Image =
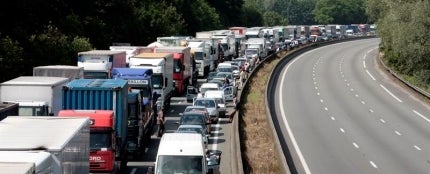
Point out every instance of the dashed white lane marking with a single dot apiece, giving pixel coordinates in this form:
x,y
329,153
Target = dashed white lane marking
x,y
398,133
352,89
364,64
355,145
389,92
368,73
322,101
382,120
318,93
422,116
332,118
326,108
315,83
316,88
370,110
373,164
362,102
356,95
347,84
416,147
342,130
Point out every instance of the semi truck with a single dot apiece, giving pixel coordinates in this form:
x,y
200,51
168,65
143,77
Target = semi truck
x,y
31,162
162,77
258,43
36,96
141,120
228,42
184,153
184,72
71,72
200,55
67,140
98,64
103,94
212,47
8,108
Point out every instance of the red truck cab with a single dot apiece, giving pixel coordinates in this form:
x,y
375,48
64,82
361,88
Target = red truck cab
x,y
102,155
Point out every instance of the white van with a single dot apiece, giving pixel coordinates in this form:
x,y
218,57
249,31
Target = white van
x,y
220,100
184,153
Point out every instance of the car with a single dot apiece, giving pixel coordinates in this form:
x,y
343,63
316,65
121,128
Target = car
x,y
223,75
211,106
192,92
194,129
211,75
240,61
199,109
195,118
236,71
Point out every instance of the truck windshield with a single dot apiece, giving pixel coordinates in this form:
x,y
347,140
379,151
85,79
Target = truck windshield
x,y
198,55
177,66
224,46
99,140
157,81
180,164
95,75
33,111
251,51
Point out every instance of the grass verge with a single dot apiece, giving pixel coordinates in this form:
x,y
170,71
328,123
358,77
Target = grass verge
x,y
258,148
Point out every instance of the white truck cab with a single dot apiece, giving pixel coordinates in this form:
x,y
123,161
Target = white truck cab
x,y
184,153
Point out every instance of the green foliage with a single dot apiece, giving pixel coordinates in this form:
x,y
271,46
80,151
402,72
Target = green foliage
x,y
11,62
340,12
272,18
403,28
252,17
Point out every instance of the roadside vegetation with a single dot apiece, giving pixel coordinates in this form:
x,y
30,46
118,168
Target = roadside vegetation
x,y
258,148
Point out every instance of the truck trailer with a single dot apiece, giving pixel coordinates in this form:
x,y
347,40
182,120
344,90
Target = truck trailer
x,y
31,162
67,140
103,94
36,96
99,63
70,72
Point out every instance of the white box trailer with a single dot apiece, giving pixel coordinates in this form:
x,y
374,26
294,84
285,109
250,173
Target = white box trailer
x,y
32,162
66,139
36,95
71,72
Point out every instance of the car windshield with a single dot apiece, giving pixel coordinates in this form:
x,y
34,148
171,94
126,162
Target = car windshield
x,y
192,120
205,103
188,109
180,164
190,129
224,69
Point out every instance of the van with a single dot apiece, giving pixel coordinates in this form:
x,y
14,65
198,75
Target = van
x,y
184,153
220,100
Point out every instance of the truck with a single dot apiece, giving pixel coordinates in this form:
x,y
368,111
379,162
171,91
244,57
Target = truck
x,y
34,162
8,108
228,42
174,41
103,94
162,77
36,96
212,47
129,50
185,153
330,31
68,71
67,140
98,64
184,71
141,120
258,43
254,32
200,55
238,30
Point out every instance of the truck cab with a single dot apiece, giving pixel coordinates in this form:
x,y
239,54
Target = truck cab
x,y
102,157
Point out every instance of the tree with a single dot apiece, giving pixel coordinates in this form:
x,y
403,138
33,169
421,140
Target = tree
x,y
340,12
272,18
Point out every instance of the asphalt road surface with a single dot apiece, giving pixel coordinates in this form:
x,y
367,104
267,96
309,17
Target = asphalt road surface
x,y
220,138
343,114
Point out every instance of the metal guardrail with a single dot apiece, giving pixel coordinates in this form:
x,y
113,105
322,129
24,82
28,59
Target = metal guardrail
x,y
417,89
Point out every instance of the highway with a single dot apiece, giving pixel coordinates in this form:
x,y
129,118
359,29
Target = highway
x,y
340,113
220,138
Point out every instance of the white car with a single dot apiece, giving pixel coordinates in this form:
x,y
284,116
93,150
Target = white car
x,y
194,129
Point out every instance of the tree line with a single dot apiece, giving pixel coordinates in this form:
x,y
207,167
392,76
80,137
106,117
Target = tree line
x,y
405,43
46,32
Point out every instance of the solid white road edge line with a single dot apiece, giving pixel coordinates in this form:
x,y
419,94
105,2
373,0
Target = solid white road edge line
x,y
368,73
290,132
422,116
389,92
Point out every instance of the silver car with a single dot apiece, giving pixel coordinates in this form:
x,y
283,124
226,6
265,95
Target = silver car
x,y
211,106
